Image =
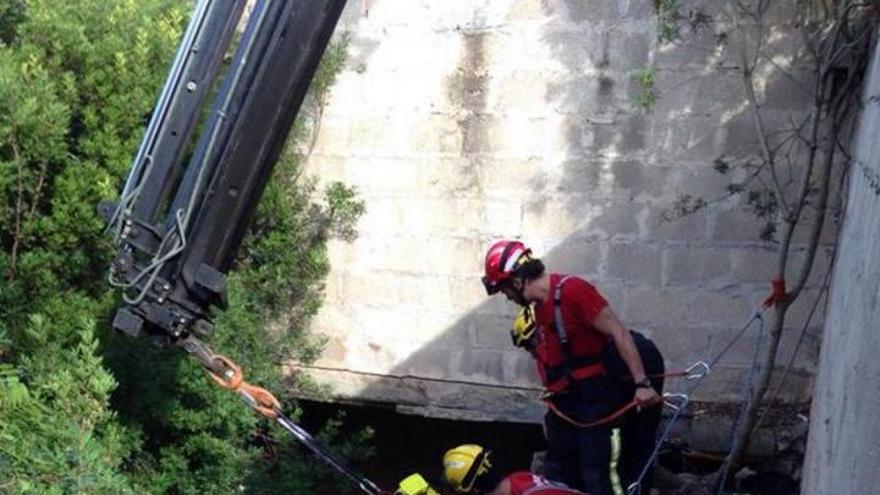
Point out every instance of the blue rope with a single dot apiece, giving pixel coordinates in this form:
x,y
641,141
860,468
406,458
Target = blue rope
x,y
635,488
748,390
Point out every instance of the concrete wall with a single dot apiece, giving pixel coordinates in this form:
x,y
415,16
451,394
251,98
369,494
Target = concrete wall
x,y
843,455
461,122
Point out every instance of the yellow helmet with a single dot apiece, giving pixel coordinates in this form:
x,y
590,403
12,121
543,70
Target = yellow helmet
x,y
523,330
464,464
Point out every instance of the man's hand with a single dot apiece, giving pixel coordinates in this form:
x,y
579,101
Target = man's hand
x,y
646,397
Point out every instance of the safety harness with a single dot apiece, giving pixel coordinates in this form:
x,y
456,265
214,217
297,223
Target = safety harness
x,y
579,367
573,367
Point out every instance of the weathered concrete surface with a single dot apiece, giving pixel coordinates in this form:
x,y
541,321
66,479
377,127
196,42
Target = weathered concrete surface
x,y
843,452
464,121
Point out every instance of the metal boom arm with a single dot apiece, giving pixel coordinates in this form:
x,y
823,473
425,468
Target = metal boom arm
x,y
178,226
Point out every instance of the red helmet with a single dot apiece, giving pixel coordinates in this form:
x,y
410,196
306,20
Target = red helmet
x,y
503,260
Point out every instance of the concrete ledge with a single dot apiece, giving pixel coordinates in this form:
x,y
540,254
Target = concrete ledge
x,y
434,398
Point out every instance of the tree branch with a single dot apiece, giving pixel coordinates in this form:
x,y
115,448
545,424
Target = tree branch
x,y
817,225
840,107
19,204
749,84
822,72
787,74
41,179
826,46
769,158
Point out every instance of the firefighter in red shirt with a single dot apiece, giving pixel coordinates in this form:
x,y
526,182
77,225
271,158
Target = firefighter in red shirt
x,y
469,469
636,430
575,329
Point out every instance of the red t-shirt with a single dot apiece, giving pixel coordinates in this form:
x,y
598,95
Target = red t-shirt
x,y
526,483
581,304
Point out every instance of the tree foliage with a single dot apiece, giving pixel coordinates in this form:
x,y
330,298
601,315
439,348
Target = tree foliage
x,y
57,434
83,410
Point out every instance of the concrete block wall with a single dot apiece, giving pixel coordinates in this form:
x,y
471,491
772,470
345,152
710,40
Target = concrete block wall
x,y
462,122
842,452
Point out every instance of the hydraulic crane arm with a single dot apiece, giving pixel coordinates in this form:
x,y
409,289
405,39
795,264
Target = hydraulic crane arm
x,y
179,222
185,206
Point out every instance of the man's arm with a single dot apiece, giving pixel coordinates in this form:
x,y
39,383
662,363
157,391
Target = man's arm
x,y
608,324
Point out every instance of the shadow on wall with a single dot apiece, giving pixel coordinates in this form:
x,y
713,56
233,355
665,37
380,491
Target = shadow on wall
x,y
687,284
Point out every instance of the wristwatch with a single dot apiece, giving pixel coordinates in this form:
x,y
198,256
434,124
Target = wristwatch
x,y
645,383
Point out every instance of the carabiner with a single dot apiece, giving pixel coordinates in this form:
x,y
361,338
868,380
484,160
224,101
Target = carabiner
x,y
697,370
676,402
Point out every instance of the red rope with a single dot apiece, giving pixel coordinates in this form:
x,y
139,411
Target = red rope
x,y
777,295
601,421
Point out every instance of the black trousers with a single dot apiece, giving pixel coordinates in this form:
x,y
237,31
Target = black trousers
x,y
581,457
605,459
639,429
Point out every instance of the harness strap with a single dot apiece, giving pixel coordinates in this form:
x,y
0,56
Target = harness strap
x,y
572,367
558,321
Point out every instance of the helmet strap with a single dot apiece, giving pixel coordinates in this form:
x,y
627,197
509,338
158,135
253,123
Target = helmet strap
x,y
478,467
519,296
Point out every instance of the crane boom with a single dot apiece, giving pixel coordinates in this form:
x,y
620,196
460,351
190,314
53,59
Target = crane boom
x,y
186,204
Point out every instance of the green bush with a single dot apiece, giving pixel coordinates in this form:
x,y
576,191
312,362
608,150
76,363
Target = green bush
x,y
57,434
83,410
